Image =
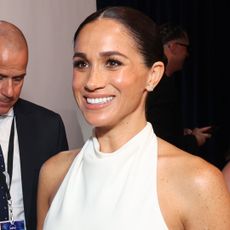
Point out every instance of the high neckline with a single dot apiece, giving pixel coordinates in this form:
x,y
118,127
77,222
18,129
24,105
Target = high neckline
x,y
132,142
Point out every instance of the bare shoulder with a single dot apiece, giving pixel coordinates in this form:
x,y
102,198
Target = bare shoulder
x,y
226,173
51,176
195,190
60,160
188,167
226,169
54,170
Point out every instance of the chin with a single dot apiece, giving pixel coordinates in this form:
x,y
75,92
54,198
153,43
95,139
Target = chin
x,y
96,121
98,118
4,110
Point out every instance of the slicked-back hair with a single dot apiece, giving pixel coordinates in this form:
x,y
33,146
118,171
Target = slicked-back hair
x,y
142,29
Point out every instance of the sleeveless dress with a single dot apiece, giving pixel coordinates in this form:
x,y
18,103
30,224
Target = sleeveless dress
x,y
110,191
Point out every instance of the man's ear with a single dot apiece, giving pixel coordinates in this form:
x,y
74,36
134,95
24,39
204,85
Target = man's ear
x,y
155,74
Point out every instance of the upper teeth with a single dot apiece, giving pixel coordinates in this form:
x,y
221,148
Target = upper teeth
x,y
99,100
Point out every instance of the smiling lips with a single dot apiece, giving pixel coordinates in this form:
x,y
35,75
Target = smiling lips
x,y
100,100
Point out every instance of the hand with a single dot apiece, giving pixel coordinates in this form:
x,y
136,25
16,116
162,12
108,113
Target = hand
x,y
201,134
187,131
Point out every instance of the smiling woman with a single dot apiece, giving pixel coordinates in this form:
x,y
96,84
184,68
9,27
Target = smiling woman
x,y
125,177
104,72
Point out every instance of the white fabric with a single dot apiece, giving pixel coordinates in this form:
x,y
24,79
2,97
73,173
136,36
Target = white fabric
x,y
16,184
110,191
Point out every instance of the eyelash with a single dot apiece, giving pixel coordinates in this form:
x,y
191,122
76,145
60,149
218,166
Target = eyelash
x,y
109,63
79,64
112,62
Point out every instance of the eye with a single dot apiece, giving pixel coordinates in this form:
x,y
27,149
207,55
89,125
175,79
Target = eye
x,y
113,63
2,77
80,64
18,79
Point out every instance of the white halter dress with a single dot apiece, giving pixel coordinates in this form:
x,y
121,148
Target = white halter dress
x,y
110,191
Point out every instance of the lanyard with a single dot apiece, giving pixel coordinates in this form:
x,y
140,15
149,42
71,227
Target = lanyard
x,y
7,178
8,175
10,170
11,153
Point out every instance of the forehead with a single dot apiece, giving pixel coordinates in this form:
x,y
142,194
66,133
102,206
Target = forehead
x,y
105,33
12,63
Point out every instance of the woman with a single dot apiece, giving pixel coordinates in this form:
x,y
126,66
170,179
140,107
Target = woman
x,y
226,173
125,177
226,168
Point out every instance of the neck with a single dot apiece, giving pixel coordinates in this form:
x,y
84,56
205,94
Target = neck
x,y
170,69
112,138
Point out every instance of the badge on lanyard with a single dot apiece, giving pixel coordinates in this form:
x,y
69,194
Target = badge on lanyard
x,y
15,225
12,224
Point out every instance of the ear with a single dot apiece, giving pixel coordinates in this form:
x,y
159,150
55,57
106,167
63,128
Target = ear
x,y
155,74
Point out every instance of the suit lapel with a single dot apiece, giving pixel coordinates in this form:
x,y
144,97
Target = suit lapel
x,y
23,125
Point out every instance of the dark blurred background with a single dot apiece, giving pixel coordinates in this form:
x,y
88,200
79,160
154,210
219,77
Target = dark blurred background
x,y
204,80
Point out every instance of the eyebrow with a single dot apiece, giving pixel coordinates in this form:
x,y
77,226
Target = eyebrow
x,y
18,76
103,54
79,54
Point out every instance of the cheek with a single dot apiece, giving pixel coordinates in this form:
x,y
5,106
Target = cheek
x,y
130,82
77,88
74,83
123,79
77,82
17,90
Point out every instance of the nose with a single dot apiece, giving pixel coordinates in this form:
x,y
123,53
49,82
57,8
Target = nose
x,y
7,87
95,80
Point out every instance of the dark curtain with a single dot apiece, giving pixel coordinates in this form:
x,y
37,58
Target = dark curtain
x,y
204,79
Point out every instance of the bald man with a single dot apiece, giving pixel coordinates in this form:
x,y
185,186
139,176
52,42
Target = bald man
x,y
29,133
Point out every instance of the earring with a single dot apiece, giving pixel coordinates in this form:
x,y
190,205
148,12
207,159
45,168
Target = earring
x,y
149,88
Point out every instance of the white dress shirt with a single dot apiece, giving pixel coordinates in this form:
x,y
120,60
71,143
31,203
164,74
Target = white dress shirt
x,y
16,184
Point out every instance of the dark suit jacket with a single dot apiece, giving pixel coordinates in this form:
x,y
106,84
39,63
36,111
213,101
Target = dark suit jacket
x,y
41,134
164,112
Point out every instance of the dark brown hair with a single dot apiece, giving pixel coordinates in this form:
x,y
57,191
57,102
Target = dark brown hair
x,y
141,28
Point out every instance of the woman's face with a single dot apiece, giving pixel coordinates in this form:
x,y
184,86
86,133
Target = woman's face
x,y
109,74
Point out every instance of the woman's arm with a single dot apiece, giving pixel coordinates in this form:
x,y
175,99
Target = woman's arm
x,y
51,176
209,201
226,173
